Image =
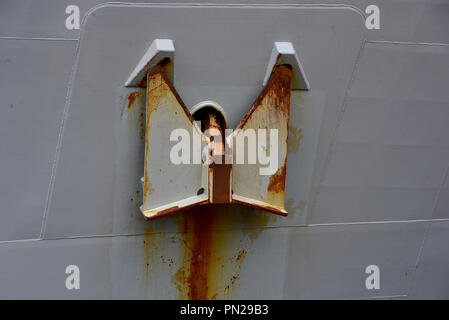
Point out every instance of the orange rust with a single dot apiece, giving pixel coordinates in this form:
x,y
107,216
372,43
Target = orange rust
x,y
270,110
147,131
159,77
199,272
165,64
204,249
220,173
277,181
180,281
158,87
221,183
232,281
142,126
174,209
277,91
214,297
167,261
275,99
240,256
132,98
203,269
203,265
210,231
154,86
150,189
142,82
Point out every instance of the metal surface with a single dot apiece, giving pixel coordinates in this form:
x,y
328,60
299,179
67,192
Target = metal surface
x,y
168,187
285,53
213,180
271,110
159,50
29,124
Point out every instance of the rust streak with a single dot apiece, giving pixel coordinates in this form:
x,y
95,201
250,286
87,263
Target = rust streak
x,y
276,93
277,181
132,98
203,269
200,263
240,256
142,126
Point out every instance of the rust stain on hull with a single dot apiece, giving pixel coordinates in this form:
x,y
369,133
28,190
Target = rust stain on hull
x,y
142,126
201,256
135,112
213,243
132,98
194,278
215,239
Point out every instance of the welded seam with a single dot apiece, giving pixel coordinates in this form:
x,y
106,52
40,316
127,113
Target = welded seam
x,y
38,38
391,144
339,120
53,170
373,222
19,241
59,141
230,5
445,175
340,116
429,226
408,43
336,224
381,297
347,187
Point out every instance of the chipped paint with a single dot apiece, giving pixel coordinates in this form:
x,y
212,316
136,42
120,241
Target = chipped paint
x,y
213,243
